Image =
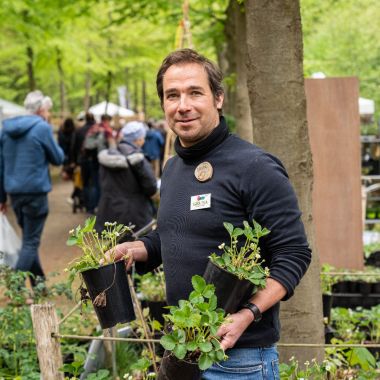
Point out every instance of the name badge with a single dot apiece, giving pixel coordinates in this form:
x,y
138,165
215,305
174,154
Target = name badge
x,y
200,201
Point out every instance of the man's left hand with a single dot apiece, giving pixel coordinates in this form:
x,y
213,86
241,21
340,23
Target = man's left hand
x,y
234,326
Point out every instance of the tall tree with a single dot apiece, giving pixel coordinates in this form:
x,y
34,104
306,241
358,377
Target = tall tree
x,y
278,105
236,54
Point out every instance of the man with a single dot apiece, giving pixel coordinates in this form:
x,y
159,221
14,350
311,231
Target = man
x,y
27,146
241,182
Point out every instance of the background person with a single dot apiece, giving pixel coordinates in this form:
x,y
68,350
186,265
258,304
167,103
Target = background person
x,y
127,181
27,147
245,183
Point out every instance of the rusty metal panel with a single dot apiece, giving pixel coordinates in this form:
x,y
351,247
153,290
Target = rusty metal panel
x,y
334,130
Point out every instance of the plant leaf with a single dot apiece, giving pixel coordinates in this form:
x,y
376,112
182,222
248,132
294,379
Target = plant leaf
x,y
198,283
204,361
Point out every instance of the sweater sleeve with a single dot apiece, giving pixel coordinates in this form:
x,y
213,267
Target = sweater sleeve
x,y
152,244
271,201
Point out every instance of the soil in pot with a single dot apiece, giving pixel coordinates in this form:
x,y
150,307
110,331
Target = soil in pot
x,y
230,291
173,368
109,292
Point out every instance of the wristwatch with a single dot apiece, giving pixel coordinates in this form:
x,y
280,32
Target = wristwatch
x,y
255,311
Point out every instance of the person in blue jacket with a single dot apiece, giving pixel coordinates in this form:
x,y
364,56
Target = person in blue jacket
x,y
27,147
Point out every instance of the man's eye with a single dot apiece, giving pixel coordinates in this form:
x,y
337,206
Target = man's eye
x,y
171,96
196,93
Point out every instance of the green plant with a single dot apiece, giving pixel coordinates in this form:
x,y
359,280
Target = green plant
x,y
243,260
18,355
194,323
94,245
152,285
327,280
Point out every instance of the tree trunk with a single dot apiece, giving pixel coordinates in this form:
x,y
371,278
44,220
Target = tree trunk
x,y
62,89
143,96
108,89
30,69
127,95
242,110
278,106
136,96
87,99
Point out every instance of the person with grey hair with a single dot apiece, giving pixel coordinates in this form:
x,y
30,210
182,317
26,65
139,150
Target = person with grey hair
x,y
127,181
27,147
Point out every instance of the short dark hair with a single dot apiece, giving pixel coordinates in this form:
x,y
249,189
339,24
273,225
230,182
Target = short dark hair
x,y
105,117
182,56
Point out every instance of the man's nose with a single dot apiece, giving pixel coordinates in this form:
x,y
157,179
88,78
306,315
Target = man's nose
x,y
184,104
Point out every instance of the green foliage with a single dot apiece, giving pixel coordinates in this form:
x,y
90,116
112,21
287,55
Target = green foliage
x,y
152,285
327,281
337,46
243,260
18,355
94,245
194,323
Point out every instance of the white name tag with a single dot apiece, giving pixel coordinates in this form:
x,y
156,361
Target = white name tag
x,y
200,201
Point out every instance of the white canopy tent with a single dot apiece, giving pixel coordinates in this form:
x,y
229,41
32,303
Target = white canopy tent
x,y
9,109
366,106
111,109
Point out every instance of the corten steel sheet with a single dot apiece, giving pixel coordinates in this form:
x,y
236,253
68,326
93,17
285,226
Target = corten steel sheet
x,y
334,129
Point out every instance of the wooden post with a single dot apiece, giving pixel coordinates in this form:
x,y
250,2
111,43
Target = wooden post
x,y
45,322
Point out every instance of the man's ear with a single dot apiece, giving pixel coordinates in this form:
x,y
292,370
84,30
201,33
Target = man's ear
x,y
219,101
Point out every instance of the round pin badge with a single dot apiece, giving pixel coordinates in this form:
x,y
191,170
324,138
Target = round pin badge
x,y
203,172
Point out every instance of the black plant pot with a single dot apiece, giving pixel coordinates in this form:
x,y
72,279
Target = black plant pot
x,y
327,301
329,334
157,309
365,287
175,369
110,280
230,291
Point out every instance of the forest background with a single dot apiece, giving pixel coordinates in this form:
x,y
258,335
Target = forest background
x,y
80,52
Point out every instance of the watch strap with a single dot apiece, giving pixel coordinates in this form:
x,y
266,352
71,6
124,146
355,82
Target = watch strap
x,y
255,311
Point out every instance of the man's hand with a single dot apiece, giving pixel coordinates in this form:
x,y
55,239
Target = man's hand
x,y
232,329
130,251
3,207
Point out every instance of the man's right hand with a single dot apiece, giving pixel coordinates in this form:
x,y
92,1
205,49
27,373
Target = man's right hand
x,y
130,251
3,207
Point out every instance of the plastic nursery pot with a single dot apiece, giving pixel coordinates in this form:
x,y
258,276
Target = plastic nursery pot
x,y
327,301
173,368
157,309
117,305
365,287
230,291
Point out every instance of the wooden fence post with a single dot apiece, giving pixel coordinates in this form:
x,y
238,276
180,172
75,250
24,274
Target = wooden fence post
x,y
45,322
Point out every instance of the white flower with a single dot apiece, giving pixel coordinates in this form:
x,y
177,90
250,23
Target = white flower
x,y
71,232
258,255
221,246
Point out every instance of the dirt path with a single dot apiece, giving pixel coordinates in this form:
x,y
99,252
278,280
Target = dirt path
x,y
54,253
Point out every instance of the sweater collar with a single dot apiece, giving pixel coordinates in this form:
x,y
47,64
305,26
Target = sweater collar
x,y
216,137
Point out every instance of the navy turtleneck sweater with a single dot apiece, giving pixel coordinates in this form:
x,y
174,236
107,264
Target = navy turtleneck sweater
x,y
247,183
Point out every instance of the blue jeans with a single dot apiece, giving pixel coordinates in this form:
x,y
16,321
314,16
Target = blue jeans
x,y
31,211
246,364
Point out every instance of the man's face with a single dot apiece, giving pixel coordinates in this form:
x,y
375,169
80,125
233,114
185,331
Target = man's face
x,y
189,105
